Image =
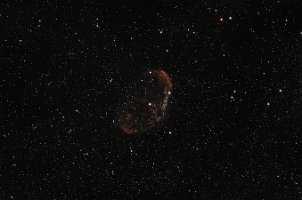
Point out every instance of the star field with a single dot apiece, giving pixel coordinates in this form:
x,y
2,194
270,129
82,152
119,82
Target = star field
x,y
233,120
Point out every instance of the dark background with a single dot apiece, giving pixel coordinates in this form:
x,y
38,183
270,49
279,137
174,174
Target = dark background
x,y
233,127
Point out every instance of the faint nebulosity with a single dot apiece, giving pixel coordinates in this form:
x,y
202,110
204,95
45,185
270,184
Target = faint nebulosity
x,y
151,100
142,110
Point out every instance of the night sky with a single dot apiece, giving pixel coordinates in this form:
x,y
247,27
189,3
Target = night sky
x,y
232,127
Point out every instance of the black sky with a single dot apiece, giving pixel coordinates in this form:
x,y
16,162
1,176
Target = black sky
x,y
233,126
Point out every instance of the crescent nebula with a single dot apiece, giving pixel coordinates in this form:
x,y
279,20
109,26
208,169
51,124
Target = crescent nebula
x,y
147,104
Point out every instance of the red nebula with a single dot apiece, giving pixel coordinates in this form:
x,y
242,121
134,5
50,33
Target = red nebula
x,y
142,113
